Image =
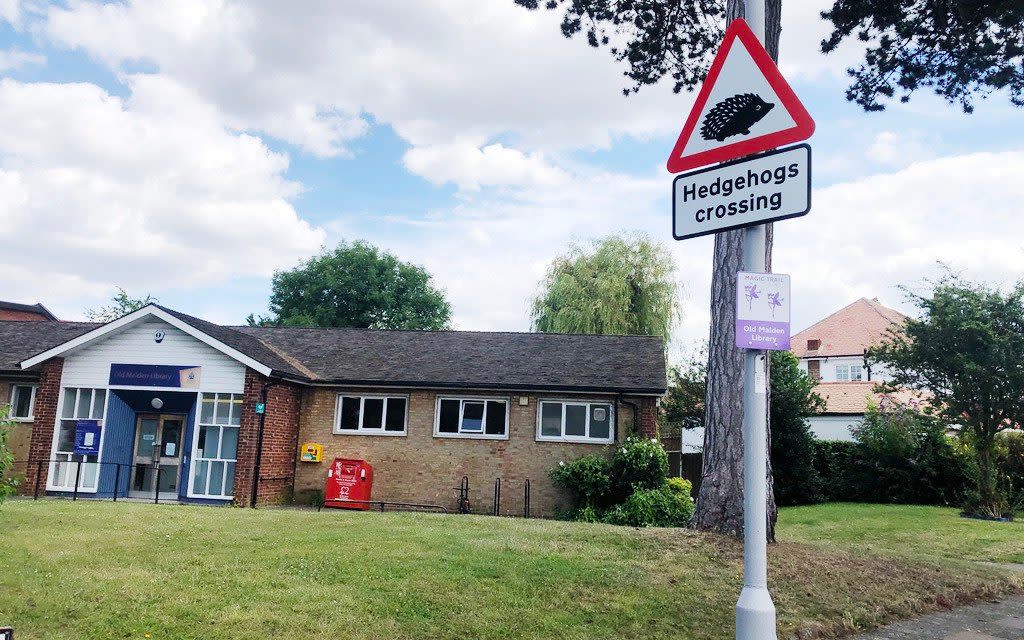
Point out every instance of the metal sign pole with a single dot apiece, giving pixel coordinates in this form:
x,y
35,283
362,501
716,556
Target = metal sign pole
x,y
755,611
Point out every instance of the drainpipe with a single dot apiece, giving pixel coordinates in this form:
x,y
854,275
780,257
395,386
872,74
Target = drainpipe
x,y
259,443
636,412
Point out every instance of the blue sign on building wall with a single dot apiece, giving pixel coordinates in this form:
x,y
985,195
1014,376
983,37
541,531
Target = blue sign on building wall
x,y
87,438
155,375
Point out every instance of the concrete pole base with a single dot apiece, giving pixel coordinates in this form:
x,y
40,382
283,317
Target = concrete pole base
x,y
755,615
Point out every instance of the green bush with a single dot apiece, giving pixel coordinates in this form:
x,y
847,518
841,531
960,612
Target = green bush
x,y
794,476
906,457
835,463
680,485
631,489
639,463
588,479
1010,462
653,508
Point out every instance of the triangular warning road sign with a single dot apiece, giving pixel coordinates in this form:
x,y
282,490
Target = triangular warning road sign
x,y
745,106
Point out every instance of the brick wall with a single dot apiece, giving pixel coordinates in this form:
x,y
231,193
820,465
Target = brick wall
x,y
649,417
41,442
420,468
18,436
10,314
280,441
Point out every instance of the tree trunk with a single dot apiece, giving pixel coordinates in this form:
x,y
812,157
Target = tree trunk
x,y
720,500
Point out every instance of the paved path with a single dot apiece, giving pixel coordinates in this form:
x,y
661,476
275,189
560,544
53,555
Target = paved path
x,y
988,621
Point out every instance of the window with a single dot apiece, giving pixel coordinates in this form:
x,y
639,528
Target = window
x,y
23,402
215,448
575,421
813,345
472,418
368,415
856,373
842,373
78,404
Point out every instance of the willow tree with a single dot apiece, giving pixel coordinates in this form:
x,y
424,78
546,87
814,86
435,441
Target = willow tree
x,y
616,285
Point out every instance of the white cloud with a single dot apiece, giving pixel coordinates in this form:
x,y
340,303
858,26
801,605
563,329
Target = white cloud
x,y
868,236
471,167
149,193
439,73
863,238
900,148
16,59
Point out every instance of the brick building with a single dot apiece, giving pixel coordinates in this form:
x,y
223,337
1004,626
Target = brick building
x,y
17,311
159,403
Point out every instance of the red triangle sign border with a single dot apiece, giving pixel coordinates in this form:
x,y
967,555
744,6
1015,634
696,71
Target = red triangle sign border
x,y
803,129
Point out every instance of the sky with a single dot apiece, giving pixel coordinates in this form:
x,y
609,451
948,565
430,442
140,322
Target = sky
x,y
190,149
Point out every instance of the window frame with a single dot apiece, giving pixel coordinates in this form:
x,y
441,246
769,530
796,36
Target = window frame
x,y
57,457
31,402
860,372
586,439
845,375
360,430
197,424
472,435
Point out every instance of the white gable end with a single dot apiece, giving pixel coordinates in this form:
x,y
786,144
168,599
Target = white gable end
x,y
136,343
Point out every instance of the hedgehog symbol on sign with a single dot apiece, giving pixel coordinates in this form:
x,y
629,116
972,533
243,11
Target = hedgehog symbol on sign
x,y
734,116
744,107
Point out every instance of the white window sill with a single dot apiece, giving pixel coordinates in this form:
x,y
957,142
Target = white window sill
x,y
25,419
70,489
470,436
367,432
571,440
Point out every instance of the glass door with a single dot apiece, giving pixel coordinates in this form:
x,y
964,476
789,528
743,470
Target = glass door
x,y
157,457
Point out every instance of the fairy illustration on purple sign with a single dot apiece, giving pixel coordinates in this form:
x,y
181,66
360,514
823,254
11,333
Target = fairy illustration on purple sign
x,y
775,301
751,293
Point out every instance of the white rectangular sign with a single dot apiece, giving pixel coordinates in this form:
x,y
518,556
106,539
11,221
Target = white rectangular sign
x,y
762,311
768,187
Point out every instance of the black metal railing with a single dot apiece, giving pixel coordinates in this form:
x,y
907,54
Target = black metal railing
x,y
125,475
122,472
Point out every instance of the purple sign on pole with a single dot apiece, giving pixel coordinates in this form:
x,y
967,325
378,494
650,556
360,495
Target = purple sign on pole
x,y
762,311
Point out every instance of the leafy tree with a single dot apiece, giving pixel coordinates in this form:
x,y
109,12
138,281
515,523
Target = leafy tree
x,y
958,48
356,285
8,485
905,456
792,445
619,285
967,351
683,404
792,400
121,304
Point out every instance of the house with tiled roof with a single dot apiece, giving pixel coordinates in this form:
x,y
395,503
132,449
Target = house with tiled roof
x,y
161,405
20,311
832,351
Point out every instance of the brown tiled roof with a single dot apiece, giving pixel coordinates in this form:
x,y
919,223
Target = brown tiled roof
x,y
366,357
848,331
846,398
23,339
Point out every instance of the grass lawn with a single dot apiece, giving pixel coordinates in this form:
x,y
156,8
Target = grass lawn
x,y
104,570
910,531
